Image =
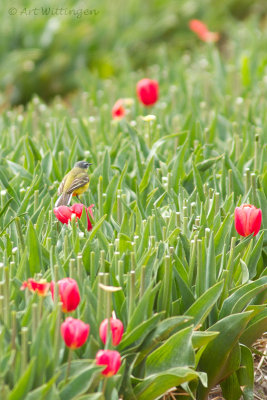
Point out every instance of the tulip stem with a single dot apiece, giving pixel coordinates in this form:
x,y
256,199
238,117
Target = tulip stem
x,y
102,261
254,189
133,261
120,272
166,284
100,297
68,366
131,288
152,224
256,152
108,312
19,231
104,385
80,267
247,180
56,288
178,219
72,268
57,332
92,266
24,349
66,246
100,195
40,311
13,329
36,200
229,266
119,209
34,319
142,281
193,257
6,296
230,182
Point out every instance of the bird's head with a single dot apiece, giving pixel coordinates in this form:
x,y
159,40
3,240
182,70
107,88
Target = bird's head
x,y
82,164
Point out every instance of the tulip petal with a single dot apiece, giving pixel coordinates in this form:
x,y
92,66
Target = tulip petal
x,y
63,214
68,292
240,221
83,335
111,358
89,223
77,209
248,219
67,332
257,221
147,91
70,296
198,27
74,332
118,110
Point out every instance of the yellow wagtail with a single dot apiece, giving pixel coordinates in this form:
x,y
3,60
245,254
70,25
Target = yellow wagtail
x,y
73,184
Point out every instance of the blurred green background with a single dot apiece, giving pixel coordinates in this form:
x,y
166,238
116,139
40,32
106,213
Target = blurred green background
x,y
57,54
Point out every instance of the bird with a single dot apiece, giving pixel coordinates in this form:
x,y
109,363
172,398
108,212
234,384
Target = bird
x,y
74,183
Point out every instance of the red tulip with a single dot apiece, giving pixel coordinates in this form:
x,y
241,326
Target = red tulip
x,y
40,287
69,294
77,209
202,31
116,327
74,332
147,91
64,213
247,219
118,110
110,358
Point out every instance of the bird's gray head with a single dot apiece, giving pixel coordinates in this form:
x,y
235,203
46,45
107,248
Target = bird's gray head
x,y
82,164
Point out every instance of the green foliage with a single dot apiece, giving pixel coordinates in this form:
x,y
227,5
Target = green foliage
x,y
192,292
37,58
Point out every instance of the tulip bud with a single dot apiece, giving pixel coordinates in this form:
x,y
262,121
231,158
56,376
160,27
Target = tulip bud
x,y
147,91
69,294
247,220
116,327
74,332
40,287
110,358
118,110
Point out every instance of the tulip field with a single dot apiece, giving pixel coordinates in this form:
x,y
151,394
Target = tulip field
x,y
153,283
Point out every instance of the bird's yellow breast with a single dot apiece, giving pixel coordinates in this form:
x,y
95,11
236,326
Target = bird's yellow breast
x,y
81,190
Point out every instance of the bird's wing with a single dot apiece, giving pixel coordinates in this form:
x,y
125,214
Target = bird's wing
x,y
61,186
78,182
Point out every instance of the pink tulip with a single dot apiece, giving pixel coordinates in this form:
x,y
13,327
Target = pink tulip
x,y
247,220
69,294
110,358
147,91
116,327
74,332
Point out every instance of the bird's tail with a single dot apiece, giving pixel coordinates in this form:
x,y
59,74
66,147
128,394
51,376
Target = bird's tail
x,y
63,200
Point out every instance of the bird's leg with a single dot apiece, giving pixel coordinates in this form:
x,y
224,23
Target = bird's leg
x,y
78,198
